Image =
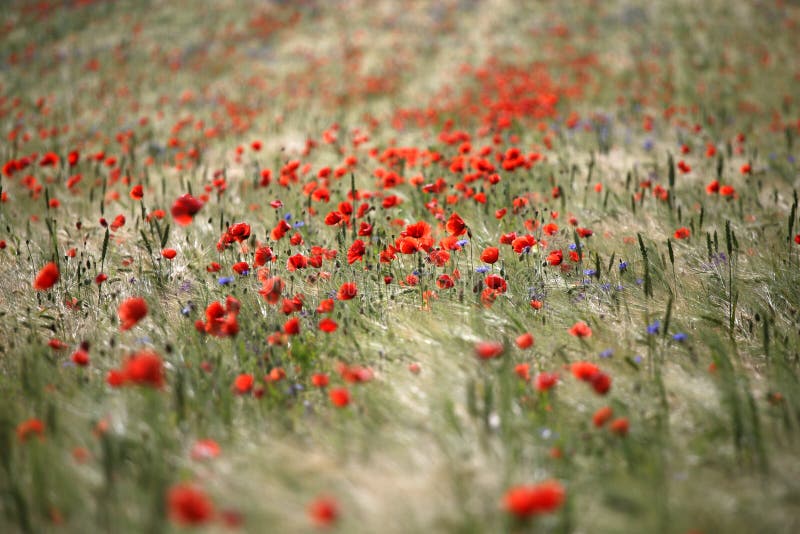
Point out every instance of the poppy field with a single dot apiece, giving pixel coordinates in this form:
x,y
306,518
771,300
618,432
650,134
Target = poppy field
x,y
399,266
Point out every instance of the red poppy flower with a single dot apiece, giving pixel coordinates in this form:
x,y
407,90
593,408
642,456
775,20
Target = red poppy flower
x,y
271,289
328,325
137,192
601,383
584,370
445,281
280,230
347,291
29,428
144,368
169,253
523,243
340,397
188,505
580,329
555,257
456,225
524,341
57,344
323,511
117,223
496,283
80,357
523,370
619,426
241,267
528,500
486,350
545,381
243,383
131,311
292,326
46,278
682,233
601,416
356,251
298,261
325,306
184,209
263,255
490,255
320,380
550,228
439,257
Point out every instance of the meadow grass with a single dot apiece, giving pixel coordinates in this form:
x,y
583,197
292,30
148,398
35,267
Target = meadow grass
x,y
623,115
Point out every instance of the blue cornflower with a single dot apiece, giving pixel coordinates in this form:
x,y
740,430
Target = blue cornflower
x,y
654,328
287,217
462,242
225,280
680,337
623,266
482,269
299,224
607,353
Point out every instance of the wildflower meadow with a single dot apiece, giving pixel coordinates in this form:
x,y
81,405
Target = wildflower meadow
x,y
400,266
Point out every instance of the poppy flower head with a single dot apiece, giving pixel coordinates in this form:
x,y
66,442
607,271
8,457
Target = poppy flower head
x,y
496,282
580,329
340,397
328,325
243,383
347,291
584,370
545,381
144,368
456,225
188,505
356,251
487,350
46,278
682,233
184,209
131,311
528,500
320,380
137,192
31,427
323,511
525,340
619,426
602,416
490,255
